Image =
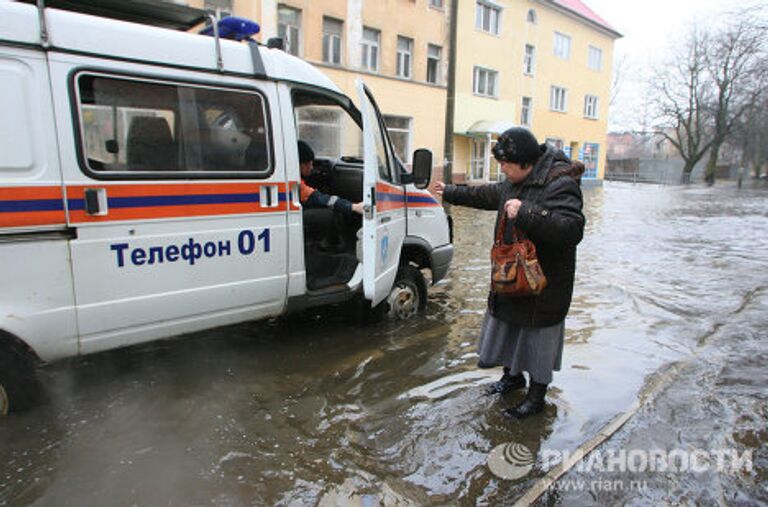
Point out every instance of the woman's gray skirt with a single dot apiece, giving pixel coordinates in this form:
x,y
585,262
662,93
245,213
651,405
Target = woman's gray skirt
x,y
537,350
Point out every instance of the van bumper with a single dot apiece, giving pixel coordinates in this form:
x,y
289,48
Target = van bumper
x,y
441,261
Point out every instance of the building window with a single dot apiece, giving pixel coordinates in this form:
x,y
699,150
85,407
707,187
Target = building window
x,y
595,59
525,111
434,54
399,129
562,46
485,82
590,107
404,56
477,162
370,49
529,60
289,29
558,99
487,17
332,30
436,3
220,8
531,18
590,155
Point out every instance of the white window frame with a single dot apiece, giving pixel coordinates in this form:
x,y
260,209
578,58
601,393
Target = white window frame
x,y
290,31
404,64
591,105
477,169
488,17
400,130
332,41
529,60
370,50
562,46
558,99
595,58
480,82
434,58
526,111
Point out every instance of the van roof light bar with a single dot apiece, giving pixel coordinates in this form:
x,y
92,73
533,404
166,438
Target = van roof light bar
x,y
233,28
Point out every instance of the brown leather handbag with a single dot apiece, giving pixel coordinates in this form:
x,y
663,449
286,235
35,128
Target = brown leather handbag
x,y
515,267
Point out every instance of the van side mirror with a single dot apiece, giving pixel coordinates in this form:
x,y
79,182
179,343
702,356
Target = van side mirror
x,y
422,167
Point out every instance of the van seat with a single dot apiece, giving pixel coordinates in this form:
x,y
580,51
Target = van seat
x,y
150,146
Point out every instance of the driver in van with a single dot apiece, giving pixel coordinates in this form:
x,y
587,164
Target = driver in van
x,y
313,198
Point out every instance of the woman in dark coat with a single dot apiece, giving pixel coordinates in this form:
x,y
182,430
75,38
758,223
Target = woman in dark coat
x,y
542,198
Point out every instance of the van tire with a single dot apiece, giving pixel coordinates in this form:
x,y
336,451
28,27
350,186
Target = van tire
x,y
408,296
19,387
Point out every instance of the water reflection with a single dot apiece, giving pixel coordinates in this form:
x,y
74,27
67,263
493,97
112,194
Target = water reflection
x,y
316,409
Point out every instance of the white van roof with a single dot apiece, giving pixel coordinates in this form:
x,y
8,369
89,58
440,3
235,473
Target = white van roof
x,y
103,37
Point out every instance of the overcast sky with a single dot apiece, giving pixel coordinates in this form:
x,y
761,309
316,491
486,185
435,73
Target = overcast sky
x,y
649,28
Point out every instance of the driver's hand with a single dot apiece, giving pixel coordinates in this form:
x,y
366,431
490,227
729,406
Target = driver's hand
x,y
357,207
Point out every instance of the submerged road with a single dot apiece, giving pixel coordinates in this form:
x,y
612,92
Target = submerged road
x,y
671,297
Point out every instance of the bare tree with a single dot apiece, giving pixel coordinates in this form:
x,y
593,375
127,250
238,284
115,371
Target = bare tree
x,y
750,136
681,92
735,65
709,85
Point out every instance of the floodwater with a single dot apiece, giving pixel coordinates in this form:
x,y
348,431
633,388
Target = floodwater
x,y
671,297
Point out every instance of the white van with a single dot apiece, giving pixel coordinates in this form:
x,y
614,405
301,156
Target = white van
x,y
149,186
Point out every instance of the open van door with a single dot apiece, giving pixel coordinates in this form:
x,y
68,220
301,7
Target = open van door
x,y
384,218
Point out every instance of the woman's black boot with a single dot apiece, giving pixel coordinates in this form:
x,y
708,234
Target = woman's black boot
x,y
507,383
532,404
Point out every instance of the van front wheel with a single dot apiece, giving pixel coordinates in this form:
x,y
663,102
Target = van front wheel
x,y
408,296
19,388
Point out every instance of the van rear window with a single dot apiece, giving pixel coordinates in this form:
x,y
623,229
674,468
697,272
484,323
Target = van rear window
x,y
139,126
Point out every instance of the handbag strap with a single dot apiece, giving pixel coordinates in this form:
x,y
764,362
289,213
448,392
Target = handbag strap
x,y
517,234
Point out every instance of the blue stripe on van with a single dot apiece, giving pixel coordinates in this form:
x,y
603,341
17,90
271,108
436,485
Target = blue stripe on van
x,y
425,198
174,200
31,205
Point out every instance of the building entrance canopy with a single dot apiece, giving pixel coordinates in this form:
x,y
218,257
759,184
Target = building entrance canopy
x,y
494,127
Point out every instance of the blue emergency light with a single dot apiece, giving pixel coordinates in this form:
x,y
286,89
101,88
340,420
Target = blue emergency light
x,y
234,28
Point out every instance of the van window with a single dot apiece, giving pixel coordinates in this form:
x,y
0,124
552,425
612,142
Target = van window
x,y
133,127
327,127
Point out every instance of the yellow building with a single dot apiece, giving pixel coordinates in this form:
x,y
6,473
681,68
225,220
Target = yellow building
x,y
543,64
398,47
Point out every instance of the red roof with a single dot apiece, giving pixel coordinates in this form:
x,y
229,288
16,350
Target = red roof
x,y
580,8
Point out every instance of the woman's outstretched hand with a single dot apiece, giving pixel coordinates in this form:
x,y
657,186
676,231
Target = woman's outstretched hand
x,y
511,207
439,187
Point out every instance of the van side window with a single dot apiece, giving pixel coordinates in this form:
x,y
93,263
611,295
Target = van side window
x,y
328,128
132,126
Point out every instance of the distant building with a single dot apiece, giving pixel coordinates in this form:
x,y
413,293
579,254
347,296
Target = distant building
x,y
645,145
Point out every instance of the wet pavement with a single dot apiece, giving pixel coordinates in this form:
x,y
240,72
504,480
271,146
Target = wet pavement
x,y
671,297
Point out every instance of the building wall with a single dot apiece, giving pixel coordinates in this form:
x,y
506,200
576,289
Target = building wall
x,y
505,54
414,98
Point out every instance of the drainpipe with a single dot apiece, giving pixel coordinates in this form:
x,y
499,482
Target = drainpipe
x,y
450,102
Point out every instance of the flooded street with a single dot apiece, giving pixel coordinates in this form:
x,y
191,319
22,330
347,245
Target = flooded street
x,y
671,296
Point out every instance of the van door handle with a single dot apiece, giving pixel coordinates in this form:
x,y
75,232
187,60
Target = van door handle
x,y
269,196
384,220
96,203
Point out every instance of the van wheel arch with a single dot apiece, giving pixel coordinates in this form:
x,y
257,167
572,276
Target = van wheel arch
x,y
19,386
415,252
